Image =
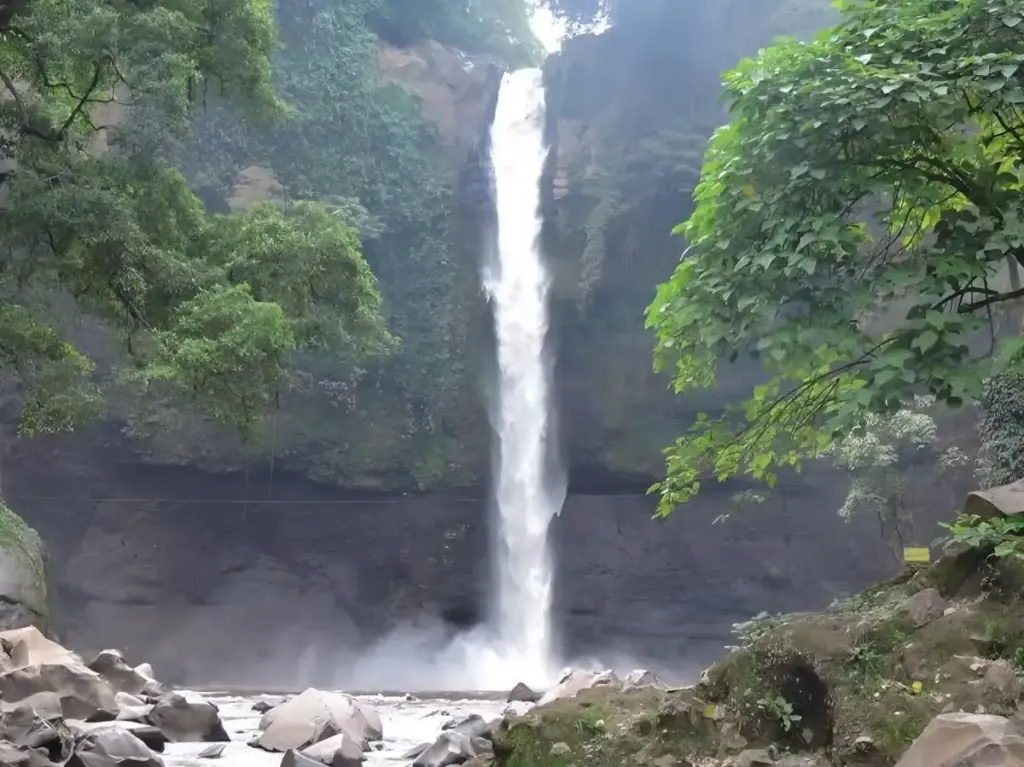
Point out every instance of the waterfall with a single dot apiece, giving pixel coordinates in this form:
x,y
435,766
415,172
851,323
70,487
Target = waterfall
x,y
517,282
517,643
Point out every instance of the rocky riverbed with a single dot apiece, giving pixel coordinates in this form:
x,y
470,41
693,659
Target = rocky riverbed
x,y
408,722
58,709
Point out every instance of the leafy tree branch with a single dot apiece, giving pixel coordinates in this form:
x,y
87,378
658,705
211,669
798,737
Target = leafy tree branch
x,y
852,224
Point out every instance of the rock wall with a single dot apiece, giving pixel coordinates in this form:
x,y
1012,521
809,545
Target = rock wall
x,y
176,566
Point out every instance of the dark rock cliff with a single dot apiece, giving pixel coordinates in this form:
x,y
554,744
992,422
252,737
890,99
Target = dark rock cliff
x,y
228,579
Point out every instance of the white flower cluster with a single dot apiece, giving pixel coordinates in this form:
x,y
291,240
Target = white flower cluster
x,y
870,459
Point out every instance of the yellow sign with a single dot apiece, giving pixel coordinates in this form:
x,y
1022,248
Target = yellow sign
x,y
917,555
916,688
711,711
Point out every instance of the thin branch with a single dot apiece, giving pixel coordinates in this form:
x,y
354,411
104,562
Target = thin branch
x,y
81,104
996,299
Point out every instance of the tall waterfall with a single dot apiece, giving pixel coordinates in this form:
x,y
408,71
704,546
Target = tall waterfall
x,y
517,285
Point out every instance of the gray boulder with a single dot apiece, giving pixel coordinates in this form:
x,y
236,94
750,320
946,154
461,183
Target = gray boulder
x,y
37,723
111,665
337,751
83,694
16,756
113,746
642,679
293,758
147,733
453,747
190,719
316,715
575,681
522,694
474,726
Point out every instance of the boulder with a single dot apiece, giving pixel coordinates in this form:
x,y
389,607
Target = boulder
x,y
293,758
191,719
1004,500
316,715
29,647
38,724
111,665
474,726
641,679
960,738
453,747
522,694
13,756
337,751
415,751
147,733
573,682
83,694
146,670
925,606
112,746
131,708
22,574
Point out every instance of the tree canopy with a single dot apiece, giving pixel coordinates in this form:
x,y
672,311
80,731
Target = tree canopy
x,y
853,227
94,214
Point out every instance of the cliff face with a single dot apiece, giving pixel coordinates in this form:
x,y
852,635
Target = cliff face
x,y
228,579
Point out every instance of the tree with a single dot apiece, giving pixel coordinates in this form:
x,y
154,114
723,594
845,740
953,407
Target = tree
x,y
216,305
876,459
851,226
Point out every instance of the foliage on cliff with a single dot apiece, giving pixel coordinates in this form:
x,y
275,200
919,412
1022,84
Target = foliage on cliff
x,y
213,305
813,220
630,138
497,27
363,147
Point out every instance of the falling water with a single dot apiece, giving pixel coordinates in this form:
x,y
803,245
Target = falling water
x,y
517,285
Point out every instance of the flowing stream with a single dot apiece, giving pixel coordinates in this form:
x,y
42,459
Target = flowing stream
x,y
517,286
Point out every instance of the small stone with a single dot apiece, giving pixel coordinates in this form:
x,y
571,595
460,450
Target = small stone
x,y
925,606
1000,676
561,749
668,760
864,745
733,741
754,757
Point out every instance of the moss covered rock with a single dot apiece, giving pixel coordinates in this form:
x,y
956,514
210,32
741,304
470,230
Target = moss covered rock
x,y
855,684
22,575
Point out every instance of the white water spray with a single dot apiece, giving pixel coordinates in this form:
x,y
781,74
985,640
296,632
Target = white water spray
x,y
517,285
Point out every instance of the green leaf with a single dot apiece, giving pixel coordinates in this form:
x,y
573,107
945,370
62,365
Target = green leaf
x,y
926,340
